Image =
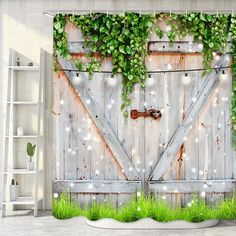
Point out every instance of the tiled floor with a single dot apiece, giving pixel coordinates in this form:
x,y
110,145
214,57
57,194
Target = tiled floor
x,y
46,224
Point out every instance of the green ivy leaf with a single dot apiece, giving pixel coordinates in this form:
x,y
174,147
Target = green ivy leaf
x,y
122,49
128,50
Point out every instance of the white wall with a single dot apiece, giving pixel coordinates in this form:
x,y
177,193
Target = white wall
x,y
24,28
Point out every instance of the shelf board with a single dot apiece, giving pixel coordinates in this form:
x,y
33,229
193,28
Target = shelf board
x,y
22,201
22,102
24,68
23,136
20,172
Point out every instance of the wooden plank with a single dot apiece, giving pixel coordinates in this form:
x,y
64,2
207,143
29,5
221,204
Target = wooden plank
x,y
192,186
101,123
211,80
96,186
110,96
75,47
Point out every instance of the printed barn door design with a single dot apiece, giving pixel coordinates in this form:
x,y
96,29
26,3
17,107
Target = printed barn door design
x,y
99,154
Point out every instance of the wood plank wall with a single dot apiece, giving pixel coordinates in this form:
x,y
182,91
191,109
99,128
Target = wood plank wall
x,y
206,153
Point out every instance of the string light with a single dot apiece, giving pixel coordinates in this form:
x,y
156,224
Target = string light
x,y
111,81
157,71
164,187
77,79
223,76
67,129
203,194
200,46
186,80
217,57
169,67
200,172
150,81
194,99
109,106
205,186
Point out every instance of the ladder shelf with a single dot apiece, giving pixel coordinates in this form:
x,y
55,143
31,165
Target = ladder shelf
x,y
24,103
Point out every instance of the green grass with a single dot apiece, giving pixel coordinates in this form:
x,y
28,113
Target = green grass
x,y
145,206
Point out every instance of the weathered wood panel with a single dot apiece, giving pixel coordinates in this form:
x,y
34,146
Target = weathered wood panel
x,y
97,186
145,140
101,123
192,186
183,130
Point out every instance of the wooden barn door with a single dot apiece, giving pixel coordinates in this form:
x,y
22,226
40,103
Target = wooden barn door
x,y
100,155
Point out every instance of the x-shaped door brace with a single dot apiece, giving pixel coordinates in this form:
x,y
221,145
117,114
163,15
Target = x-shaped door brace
x,y
101,123
211,81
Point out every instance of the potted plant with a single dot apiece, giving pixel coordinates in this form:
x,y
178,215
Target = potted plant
x,y
30,151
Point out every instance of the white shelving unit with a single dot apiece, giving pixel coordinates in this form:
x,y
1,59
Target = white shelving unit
x,y
32,110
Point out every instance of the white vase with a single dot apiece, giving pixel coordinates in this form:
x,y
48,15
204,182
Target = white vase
x,y
20,131
30,165
14,192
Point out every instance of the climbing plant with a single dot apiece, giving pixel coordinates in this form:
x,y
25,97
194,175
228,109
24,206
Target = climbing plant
x,y
233,100
60,39
124,38
210,30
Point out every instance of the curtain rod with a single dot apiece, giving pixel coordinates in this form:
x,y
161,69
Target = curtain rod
x,y
154,71
150,11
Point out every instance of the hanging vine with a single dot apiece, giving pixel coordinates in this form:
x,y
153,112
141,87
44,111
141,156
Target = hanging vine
x,y
124,38
210,30
233,100
59,39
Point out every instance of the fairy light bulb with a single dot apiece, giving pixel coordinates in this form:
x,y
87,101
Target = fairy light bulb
x,y
150,81
167,28
186,80
223,76
169,66
217,57
77,79
111,81
200,46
